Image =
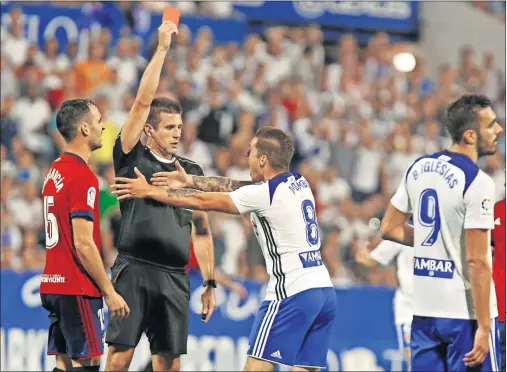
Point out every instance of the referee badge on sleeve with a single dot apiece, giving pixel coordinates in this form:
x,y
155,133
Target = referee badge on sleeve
x,y
91,197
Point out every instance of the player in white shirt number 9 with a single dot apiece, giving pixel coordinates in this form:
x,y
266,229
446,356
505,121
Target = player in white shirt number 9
x,y
294,323
455,314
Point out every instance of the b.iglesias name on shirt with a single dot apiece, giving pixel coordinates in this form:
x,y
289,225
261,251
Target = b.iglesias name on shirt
x,y
437,166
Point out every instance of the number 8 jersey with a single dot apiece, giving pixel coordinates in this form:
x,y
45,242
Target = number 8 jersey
x,y
284,221
447,194
70,191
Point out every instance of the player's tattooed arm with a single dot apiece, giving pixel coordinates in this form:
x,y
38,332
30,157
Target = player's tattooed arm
x,y
217,184
128,188
200,200
181,179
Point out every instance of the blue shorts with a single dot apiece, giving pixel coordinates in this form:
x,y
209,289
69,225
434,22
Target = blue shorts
x,y
501,329
440,344
295,331
76,325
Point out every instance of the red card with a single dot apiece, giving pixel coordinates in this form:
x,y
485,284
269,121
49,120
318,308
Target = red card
x,y
171,14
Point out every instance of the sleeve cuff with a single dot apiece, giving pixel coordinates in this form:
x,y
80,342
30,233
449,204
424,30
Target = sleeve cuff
x,y
82,214
480,226
398,206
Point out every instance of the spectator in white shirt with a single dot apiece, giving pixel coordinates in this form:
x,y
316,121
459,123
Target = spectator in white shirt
x,y
12,239
15,46
314,41
194,149
26,209
124,64
33,113
332,189
9,83
278,65
50,61
365,181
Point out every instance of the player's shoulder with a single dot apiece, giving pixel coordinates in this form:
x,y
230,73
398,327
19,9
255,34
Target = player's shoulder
x,y
190,166
483,179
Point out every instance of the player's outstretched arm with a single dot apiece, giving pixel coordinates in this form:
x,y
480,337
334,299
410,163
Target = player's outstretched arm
x,y
127,188
136,120
90,259
180,179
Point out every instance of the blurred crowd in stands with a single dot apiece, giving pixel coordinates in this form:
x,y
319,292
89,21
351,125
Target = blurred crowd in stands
x,y
356,121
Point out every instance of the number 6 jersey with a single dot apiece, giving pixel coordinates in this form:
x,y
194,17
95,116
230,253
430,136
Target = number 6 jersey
x,y
284,221
447,194
70,191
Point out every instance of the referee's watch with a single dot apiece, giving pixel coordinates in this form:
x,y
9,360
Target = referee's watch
x,y
210,283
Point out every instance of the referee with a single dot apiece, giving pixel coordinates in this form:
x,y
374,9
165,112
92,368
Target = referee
x,y
154,240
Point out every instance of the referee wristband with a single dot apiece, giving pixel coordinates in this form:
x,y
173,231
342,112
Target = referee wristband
x,y
210,283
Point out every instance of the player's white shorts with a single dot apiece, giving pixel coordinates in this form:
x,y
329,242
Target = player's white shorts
x,y
295,331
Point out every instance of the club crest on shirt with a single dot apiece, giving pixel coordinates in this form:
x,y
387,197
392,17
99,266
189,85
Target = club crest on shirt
x,y
486,206
91,197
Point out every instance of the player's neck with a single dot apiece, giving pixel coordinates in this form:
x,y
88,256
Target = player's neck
x,y
81,151
269,174
161,154
465,150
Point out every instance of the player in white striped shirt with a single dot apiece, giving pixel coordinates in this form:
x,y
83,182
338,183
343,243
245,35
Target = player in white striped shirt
x,y
294,323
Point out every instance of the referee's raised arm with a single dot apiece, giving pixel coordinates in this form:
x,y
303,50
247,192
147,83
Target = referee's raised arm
x,y
133,126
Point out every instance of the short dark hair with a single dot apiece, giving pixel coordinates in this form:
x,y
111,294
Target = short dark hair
x,y
462,115
276,145
162,105
70,115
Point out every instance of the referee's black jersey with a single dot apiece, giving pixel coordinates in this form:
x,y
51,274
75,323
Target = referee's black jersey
x,y
152,231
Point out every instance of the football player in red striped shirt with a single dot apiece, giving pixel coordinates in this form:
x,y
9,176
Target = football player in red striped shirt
x,y
74,279
499,272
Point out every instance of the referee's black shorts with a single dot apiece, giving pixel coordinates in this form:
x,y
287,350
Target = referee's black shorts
x,y
159,306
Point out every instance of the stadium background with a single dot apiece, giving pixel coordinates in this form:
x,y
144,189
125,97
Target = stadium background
x,y
322,71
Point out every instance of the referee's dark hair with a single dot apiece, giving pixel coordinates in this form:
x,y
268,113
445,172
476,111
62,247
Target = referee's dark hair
x,y
70,115
276,145
162,105
462,115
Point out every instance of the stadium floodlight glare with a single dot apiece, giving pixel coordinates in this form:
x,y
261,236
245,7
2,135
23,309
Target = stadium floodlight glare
x,y
404,62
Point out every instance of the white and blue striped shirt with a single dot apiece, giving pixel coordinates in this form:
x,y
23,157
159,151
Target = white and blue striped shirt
x,y
284,221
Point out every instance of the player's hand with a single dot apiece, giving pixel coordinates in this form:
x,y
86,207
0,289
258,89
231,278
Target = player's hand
x,y
480,349
165,32
117,305
208,304
178,179
127,188
362,255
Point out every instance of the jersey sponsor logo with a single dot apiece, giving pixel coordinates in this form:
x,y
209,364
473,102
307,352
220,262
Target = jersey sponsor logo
x,y
486,206
434,268
310,259
91,197
52,278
